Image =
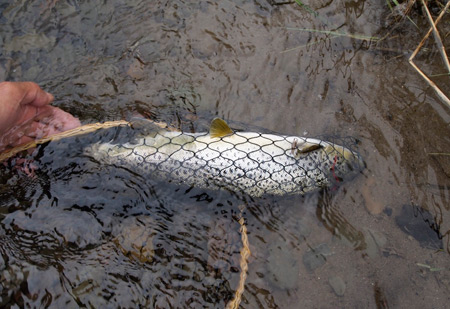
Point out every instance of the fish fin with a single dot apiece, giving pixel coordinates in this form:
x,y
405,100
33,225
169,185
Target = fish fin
x,y
219,128
305,148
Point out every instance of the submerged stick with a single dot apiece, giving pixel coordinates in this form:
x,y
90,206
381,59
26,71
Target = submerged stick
x,y
438,91
336,33
245,254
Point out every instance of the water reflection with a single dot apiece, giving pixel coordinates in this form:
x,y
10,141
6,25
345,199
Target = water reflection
x,y
85,234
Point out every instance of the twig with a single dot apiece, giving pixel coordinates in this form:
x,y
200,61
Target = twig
x,y
437,37
428,33
432,84
410,60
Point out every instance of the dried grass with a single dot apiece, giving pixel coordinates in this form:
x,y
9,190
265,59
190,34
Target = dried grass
x,y
441,48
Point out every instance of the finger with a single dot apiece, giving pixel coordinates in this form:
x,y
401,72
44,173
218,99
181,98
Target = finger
x,y
33,131
48,121
27,132
13,137
19,101
23,140
33,95
29,114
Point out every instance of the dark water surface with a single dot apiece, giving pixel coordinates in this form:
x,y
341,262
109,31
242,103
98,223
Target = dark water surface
x,y
84,234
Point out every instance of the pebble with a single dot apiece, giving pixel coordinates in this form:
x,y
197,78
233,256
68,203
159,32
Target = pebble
x,y
371,246
379,237
338,285
135,238
136,70
373,205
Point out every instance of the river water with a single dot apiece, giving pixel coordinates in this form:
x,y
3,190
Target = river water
x,y
80,234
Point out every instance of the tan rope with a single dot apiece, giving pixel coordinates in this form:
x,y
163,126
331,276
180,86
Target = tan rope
x,y
77,131
245,254
88,128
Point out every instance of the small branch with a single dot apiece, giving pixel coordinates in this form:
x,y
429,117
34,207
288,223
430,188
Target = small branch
x,y
428,33
437,37
432,84
433,29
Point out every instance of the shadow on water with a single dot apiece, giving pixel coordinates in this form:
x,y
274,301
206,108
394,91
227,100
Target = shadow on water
x,y
82,233
117,239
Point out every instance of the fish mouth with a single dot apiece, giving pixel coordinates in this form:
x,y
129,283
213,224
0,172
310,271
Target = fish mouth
x,y
352,159
352,164
351,169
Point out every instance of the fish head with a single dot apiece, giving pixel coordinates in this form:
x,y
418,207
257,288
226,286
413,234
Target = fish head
x,y
336,162
342,162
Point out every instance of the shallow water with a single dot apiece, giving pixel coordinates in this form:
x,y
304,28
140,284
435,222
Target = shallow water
x,y
84,234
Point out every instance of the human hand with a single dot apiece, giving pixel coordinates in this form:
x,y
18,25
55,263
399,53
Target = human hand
x,y
25,114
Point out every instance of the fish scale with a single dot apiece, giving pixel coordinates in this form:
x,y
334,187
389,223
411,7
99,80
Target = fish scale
x,y
249,162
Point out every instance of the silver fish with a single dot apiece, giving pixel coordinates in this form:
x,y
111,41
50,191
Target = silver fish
x,y
249,162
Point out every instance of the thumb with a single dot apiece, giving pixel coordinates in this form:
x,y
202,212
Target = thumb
x,y
33,95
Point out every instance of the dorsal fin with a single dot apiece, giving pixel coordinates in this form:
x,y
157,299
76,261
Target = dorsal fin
x,y
219,128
